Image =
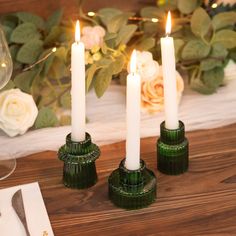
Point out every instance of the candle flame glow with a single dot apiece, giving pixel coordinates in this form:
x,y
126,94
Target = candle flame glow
x,y
133,62
168,23
77,32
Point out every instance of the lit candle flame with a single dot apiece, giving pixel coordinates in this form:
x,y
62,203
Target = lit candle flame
x,y
133,62
77,32
168,24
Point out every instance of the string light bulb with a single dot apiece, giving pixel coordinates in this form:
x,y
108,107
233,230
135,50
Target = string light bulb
x,y
91,13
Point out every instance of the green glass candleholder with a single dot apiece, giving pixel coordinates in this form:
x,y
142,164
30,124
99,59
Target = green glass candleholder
x,y
132,189
79,158
172,150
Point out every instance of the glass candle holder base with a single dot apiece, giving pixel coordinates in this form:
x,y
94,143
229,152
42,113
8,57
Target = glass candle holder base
x,y
79,158
172,150
132,189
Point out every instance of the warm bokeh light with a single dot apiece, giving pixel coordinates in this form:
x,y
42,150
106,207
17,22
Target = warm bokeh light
x,y
214,5
77,31
3,65
91,13
154,20
168,23
133,62
54,49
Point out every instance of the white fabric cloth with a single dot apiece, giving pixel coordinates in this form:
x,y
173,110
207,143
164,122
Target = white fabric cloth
x,y
107,120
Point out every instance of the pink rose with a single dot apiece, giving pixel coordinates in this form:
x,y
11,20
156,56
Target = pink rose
x,y
92,36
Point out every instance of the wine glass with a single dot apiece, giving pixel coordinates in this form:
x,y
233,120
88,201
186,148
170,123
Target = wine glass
x,y
7,162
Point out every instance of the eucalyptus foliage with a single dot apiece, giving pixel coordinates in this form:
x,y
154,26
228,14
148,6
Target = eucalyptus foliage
x,y
204,42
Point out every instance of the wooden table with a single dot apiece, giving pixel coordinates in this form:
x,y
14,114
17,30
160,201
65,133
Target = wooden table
x,y
199,202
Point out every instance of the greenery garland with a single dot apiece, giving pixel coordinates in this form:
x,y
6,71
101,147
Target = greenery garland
x,y
205,39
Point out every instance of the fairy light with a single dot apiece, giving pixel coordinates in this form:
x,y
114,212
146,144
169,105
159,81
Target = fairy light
x,y
154,20
214,5
134,18
54,49
3,65
91,13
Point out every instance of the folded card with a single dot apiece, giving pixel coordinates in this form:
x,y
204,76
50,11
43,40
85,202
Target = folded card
x,y
23,213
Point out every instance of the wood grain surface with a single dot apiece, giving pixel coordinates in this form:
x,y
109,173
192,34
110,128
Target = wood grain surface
x,y
199,202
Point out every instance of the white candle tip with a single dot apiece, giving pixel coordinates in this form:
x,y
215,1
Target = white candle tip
x,y
168,24
77,31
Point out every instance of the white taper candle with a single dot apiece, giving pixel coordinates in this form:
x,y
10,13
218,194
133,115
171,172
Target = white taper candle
x,y
78,116
133,99
169,75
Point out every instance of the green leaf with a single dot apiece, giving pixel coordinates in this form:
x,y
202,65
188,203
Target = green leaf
x,y
218,50
107,13
187,6
24,80
102,81
150,28
30,51
54,19
200,22
8,86
24,32
104,62
216,57
117,65
179,43
116,22
195,49
209,64
9,20
61,53
146,44
224,19
152,12
110,36
46,118
29,17
125,34
47,65
232,55
198,86
53,36
213,78
13,50
65,100
226,37
90,75
58,69
7,31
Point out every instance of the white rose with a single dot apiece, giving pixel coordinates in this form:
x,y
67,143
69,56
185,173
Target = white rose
x,y
18,112
152,93
92,36
230,71
146,66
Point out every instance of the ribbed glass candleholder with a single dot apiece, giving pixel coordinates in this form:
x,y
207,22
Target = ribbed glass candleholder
x,y
172,150
79,158
132,189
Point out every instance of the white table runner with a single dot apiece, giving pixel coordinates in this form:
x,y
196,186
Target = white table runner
x,y
107,120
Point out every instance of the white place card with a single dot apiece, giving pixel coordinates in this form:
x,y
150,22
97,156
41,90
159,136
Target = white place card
x,y
35,211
